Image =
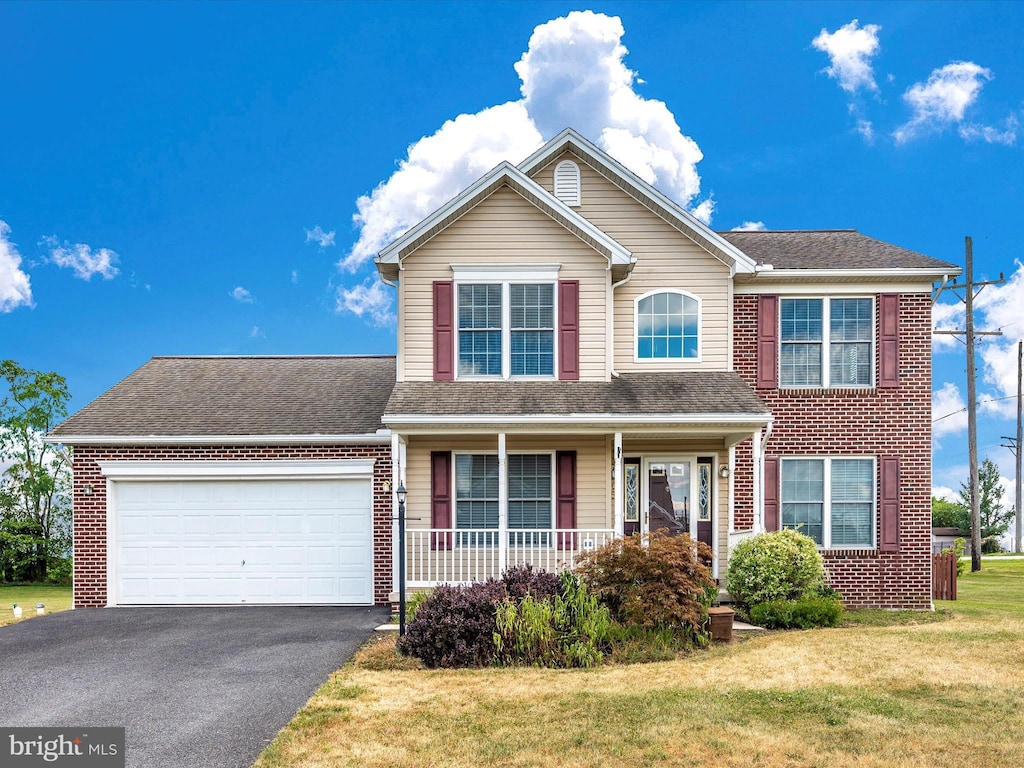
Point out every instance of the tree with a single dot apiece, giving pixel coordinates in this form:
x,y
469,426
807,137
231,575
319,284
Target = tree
x,y
994,518
951,514
35,489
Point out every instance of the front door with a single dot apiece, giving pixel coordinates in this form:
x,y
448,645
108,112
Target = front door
x,y
678,496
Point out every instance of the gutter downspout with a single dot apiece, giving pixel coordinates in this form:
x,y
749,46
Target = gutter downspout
x,y
611,321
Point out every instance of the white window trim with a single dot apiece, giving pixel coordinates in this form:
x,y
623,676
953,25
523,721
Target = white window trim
x,y
826,531
505,277
826,367
502,503
664,360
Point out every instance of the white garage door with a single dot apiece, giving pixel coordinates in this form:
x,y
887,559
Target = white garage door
x,y
193,542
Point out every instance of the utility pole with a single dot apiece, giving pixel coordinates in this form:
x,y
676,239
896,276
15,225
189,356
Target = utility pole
x,y
972,289
1017,501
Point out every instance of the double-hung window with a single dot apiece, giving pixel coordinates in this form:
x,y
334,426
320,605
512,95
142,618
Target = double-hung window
x,y
832,500
826,342
530,504
506,329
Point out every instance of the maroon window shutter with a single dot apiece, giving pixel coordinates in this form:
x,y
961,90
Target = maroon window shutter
x,y
440,498
888,339
889,515
767,341
565,497
569,330
771,493
444,330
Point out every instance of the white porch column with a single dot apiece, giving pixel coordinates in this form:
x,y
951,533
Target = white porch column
x,y
620,491
397,477
758,484
502,502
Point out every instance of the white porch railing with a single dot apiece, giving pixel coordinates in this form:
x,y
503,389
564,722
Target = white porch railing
x,y
451,556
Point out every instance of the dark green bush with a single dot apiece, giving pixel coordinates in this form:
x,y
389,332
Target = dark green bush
x,y
567,629
657,581
803,613
990,546
781,565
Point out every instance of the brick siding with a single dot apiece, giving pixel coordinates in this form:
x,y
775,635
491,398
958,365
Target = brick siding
x,y
90,511
874,422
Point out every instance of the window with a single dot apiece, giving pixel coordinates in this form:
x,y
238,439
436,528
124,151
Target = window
x,y
529,497
476,496
831,500
826,342
668,326
506,329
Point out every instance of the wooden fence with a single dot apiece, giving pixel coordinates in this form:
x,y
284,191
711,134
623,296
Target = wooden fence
x,y
944,576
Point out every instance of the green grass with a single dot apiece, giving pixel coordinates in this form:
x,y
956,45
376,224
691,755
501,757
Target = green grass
x,y
887,688
55,598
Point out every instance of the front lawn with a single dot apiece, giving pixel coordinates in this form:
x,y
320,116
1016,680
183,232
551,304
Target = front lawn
x,y
55,598
868,694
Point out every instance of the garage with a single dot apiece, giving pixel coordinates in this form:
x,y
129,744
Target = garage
x,y
230,533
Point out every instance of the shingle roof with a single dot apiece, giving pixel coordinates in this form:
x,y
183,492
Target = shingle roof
x,y
171,396
629,394
829,249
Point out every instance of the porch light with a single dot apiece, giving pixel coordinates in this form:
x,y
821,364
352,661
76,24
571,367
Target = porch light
x,y
723,471
401,493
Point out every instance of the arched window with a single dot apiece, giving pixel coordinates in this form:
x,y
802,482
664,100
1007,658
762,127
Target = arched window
x,y
567,182
668,326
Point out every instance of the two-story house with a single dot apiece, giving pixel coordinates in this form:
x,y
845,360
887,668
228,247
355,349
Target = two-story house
x,y
578,359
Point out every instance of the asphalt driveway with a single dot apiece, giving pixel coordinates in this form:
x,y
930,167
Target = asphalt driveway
x,y
193,687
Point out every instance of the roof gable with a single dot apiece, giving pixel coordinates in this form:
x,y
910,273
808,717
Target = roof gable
x,y
640,190
503,175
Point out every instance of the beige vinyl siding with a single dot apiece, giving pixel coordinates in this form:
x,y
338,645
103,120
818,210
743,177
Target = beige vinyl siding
x,y
503,229
666,258
593,471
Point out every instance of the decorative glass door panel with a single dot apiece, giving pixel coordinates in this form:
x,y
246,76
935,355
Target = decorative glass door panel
x,y
670,496
631,516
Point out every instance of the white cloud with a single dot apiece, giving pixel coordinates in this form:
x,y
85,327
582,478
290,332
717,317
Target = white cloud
x,y
750,226
242,295
947,317
866,129
318,236
256,333
943,100
573,74
945,492
295,276
949,411
1006,136
850,50
15,287
998,307
369,299
83,259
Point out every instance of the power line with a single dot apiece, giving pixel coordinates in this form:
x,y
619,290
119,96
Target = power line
x,y
980,402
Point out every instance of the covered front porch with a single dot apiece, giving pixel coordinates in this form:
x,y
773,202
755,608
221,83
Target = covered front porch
x,y
522,487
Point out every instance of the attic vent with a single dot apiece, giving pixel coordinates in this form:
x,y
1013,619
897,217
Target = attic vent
x,y
567,182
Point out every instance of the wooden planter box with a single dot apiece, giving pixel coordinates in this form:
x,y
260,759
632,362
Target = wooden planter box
x,y
721,624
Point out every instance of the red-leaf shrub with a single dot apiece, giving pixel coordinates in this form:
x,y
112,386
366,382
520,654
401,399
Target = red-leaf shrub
x,y
522,579
655,581
455,626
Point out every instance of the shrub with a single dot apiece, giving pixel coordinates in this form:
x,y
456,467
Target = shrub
x,y
782,565
454,627
653,581
413,603
520,580
803,613
990,546
567,629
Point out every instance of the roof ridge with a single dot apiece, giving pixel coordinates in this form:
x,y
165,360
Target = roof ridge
x,y
782,231
271,357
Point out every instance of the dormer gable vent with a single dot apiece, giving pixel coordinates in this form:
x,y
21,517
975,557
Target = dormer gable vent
x,y
567,182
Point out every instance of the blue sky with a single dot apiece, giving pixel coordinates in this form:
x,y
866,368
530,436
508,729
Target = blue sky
x,y
183,178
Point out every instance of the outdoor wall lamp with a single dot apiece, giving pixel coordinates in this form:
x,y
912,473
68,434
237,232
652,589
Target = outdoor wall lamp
x,y
723,471
87,489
